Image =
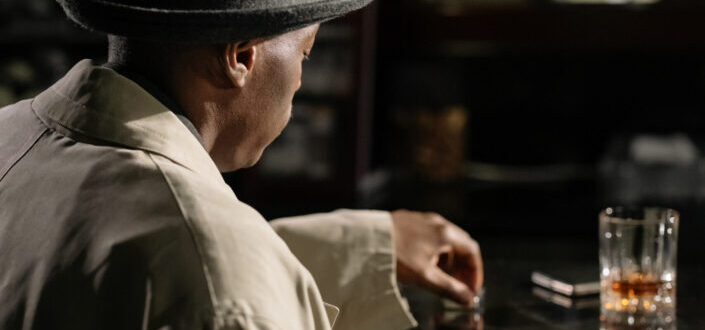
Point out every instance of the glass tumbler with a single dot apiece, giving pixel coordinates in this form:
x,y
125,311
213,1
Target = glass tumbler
x,y
638,267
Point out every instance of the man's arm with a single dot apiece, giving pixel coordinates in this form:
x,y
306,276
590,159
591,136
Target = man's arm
x,y
358,256
351,256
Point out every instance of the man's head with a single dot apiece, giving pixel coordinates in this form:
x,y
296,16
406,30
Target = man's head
x,y
238,94
256,100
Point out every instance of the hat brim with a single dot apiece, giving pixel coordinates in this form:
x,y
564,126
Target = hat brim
x,y
217,25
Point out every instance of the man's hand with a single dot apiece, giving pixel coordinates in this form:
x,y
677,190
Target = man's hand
x,y
436,254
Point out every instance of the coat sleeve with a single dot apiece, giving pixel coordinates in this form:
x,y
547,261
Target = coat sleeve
x,y
351,256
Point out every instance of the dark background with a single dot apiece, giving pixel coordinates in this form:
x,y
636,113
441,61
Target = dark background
x,y
511,118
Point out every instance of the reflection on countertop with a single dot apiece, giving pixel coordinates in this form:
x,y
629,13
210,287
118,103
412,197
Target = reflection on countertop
x,y
512,302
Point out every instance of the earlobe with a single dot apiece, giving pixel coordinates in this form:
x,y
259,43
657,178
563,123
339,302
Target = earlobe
x,y
239,60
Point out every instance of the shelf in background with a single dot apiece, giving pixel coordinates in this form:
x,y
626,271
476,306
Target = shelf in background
x,y
466,30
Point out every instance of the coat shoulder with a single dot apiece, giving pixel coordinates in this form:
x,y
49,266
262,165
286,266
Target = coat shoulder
x,y
252,272
95,222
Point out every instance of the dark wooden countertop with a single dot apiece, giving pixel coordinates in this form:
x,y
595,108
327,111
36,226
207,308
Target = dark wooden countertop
x,y
511,302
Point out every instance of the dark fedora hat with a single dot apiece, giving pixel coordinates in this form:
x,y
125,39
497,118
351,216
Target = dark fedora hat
x,y
203,20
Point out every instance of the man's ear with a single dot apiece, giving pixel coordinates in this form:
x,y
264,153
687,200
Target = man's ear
x,y
240,58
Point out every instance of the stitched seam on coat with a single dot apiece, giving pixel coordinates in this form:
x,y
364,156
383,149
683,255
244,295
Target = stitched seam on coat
x,y
189,225
92,111
26,147
83,133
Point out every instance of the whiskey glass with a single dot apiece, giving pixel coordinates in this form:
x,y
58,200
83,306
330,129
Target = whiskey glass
x,y
638,267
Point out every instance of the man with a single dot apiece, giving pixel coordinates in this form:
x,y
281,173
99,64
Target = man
x,y
114,215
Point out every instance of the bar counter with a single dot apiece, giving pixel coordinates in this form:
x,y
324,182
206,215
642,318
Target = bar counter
x,y
510,300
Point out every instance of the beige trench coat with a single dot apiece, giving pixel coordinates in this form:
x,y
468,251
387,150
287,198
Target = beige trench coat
x,y
113,216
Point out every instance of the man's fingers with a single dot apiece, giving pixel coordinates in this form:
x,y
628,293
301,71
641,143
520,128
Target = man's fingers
x,y
475,265
426,242
448,286
467,257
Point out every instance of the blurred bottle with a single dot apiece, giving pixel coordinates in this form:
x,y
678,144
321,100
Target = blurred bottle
x,y
434,141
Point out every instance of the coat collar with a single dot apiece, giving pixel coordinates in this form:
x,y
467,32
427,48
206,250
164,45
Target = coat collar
x,y
99,103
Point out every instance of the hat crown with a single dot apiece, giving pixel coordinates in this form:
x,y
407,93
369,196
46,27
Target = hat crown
x,y
203,20
226,5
